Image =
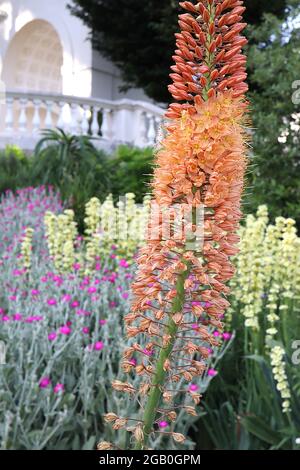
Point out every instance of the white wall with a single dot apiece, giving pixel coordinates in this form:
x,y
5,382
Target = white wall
x,y
84,72
77,53
106,81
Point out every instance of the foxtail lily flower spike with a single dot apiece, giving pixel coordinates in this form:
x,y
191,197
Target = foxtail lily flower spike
x,y
179,295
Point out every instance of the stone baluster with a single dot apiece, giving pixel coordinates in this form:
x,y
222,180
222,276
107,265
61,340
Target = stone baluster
x,y
22,124
85,125
74,126
48,119
36,120
151,134
95,124
61,122
106,128
141,129
9,115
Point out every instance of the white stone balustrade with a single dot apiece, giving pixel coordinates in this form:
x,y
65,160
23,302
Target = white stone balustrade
x,y
24,115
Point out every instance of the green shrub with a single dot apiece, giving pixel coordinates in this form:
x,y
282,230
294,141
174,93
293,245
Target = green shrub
x,y
15,169
130,171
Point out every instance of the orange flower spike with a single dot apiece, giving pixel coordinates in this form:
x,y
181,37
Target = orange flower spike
x,y
201,161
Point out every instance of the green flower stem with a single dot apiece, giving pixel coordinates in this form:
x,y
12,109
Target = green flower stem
x,y
160,374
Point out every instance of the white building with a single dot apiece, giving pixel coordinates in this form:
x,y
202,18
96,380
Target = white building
x,y
50,76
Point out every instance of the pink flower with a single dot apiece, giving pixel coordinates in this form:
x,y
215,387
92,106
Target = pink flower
x,y
125,295
75,304
51,302
132,362
35,292
17,272
163,424
44,382
212,372
216,334
112,304
52,336
123,263
92,290
102,322
58,388
97,267
98,346
227,336
5,318
147,352
193,388
85,330
76,266
66,298
113,256
13,298
65,330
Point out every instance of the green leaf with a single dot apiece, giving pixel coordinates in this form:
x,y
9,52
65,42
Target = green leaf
x,y
90,444
256,426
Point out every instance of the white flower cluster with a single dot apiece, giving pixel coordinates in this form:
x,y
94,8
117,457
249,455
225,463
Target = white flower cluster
x,y
26,248
278,367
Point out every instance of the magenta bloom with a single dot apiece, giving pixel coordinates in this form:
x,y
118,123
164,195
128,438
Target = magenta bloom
x,y
92,290
51,302
212,372
123,263
17,272
125,295
66,298
98,346
65,330
52,336
44,382
75,304
35,292
5,318
85,330
132,362
58,388
216,334
147,352
227,336
193,388
76,266
163,424
102,322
